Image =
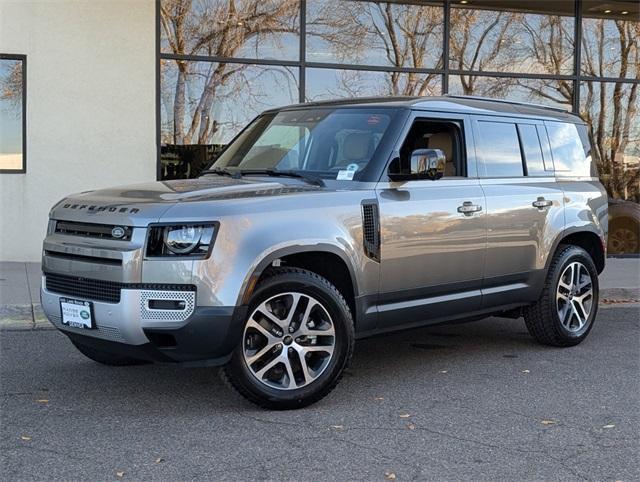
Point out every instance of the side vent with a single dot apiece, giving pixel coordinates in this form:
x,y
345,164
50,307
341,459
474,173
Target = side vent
x,y
371,229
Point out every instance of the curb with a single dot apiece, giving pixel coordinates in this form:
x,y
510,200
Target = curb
x,y
619,295
23,317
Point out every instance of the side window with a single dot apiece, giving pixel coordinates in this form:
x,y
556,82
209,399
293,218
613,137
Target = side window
x,y
532,150
436,134
546,149
569,156
500,149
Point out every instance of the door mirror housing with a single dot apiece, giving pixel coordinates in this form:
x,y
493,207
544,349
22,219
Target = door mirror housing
x,y
423,164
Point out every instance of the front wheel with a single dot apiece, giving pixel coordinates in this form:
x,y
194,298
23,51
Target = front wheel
x,y
565,312
296,342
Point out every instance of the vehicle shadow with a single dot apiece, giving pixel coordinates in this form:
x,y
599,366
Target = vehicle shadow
x,y
382,361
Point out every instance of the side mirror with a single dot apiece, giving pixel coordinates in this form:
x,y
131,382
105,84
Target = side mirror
x,y
423,164
427,163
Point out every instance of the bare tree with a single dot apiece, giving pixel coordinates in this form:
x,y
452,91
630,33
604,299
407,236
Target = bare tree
x,y
219,28
396,35
610,109
11,87
477,42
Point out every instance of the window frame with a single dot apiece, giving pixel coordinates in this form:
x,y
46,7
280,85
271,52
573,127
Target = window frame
x,y
466,142
22,58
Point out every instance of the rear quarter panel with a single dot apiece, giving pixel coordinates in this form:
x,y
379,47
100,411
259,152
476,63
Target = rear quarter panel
x,y
585,202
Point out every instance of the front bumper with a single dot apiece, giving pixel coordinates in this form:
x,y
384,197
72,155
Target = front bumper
x,y
195,335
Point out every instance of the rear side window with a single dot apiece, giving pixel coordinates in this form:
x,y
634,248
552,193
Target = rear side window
x,y
569,156
537,163
500,149
531,149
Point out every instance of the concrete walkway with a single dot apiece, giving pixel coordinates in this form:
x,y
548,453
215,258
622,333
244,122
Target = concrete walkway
x,y
20,290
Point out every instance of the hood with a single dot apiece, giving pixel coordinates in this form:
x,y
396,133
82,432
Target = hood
x,y
141,204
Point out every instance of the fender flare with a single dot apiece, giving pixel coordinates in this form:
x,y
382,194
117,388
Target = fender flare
x,y
567,232
267,258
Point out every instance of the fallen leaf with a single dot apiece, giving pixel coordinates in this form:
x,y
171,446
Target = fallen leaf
x,y
390,475
119,474
44,400
404,415
25,437
608,426
548,422
411,426
159,459
526,371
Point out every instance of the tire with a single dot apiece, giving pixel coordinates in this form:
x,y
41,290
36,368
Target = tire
x,y
105,358
296,342
565,313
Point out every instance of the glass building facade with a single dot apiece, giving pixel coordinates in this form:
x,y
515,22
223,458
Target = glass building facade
x,y
222,62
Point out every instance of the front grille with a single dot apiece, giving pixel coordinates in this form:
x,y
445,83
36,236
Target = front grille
x,y
101,290
82,257
91,289
91,230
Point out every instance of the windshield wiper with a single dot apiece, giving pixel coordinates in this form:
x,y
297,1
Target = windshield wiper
x,y
309,178
224,172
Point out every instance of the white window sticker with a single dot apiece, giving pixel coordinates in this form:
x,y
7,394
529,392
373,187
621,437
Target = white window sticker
x,y
345,175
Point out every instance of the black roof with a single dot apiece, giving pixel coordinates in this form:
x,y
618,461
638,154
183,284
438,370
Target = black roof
x,y
451,103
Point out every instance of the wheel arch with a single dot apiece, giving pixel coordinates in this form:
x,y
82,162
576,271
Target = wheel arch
x,y
326,260
589,240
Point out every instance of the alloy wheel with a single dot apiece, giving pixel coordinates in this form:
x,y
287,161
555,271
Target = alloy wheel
x,y
623,241
288,341
574,296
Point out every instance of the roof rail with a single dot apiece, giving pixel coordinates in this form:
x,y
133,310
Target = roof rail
x,y
504,101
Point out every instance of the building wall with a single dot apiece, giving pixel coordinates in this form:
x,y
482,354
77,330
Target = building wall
x,y
90,106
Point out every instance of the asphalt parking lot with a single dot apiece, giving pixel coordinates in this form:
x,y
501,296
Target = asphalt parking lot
x,y
478,401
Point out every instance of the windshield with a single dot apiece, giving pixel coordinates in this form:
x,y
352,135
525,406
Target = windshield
x,y
331,143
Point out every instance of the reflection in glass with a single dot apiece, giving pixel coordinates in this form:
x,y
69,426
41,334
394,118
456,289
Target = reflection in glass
x,y
11,106
569,156
265,29
551,92
330,142
611,112
500,149
610,46
205,104
323,84
375,33
506,41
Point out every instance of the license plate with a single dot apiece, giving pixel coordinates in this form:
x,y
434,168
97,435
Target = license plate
x,y
77,313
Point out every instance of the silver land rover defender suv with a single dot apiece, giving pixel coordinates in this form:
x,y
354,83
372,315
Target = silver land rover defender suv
x,y
326,222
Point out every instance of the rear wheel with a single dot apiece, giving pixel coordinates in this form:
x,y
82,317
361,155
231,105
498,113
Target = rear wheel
x,y
624,236
566,310
106,358
296,342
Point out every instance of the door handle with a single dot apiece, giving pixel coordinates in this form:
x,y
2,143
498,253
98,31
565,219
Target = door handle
x,y
541,203
468,208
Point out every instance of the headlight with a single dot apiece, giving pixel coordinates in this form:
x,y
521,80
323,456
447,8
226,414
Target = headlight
x,y
193,240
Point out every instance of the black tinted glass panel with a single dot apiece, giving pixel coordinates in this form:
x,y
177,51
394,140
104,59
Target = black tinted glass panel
x,y
569,157
500,149
532,150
